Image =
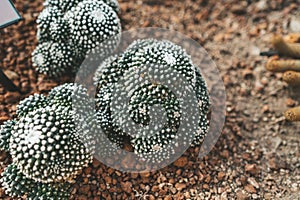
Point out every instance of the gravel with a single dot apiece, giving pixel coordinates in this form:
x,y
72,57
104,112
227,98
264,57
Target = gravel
x,y
257,155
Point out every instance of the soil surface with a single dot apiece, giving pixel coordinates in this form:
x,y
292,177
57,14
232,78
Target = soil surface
x,y
258,153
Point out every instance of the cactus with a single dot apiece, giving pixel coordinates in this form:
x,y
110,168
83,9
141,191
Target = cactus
x,y
69,30
17,185
48,144
275,65
288,46
293,114
150,93
292,78
284,48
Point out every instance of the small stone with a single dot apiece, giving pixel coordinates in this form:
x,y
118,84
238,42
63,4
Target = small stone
x,y
134,175
254,50
180,186
4,118
181,162
265,109
12,97
249,188
221,175
84,189
252,169
169,197
290,102
127,186
11,75
241,195
239,9
145,174
108,180
253,182
205,186
82,197
225,153
128,162
247,73
155,188
151,197
262,5
96,163
295,24
173,190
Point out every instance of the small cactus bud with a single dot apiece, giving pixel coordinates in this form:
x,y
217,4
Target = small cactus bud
x,y
293,114
284,48
293,38
275,65
292,78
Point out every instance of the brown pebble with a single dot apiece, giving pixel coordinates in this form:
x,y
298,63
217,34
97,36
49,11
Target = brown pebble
x,y
82,197
11,75
252,169
155,188
12,97
3,118
108,180
169,197
290,102
239,9
180,186
225,154
181,162
126,186
84,189
265,109
205,186
253,182
241,195
145,175
134,175
249,188
221,175
247,73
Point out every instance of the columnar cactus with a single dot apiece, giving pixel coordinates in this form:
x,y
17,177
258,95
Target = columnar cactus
x,y
46,145
145,92
68,30
287,47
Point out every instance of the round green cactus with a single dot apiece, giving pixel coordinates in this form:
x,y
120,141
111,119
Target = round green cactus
x,y
54,58
45,147
69,30
117,79
49,17
50,142
92,22
31,103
